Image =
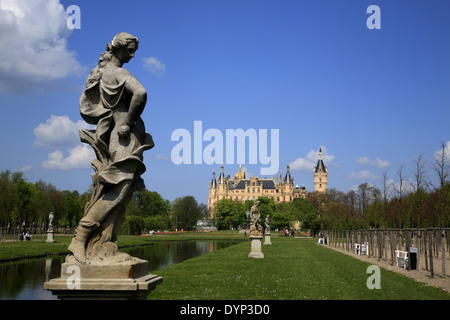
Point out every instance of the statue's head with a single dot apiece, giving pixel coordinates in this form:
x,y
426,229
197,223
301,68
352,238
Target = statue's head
x,y
123,46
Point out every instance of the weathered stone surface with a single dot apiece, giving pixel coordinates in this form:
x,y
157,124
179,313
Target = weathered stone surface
x,y
255,222
255,248
113,101
267,241
103,288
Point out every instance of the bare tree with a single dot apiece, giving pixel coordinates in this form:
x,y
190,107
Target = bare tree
x,y
385,185
441,165
401,186
419,173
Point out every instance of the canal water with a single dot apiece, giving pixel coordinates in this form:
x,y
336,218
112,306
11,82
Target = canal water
x,y
24,279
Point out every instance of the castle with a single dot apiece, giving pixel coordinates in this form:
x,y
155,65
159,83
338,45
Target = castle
x,y
279,189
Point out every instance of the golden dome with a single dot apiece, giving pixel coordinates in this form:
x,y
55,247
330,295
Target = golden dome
x,y
240,175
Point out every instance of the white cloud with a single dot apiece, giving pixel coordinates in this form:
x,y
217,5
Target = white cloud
x,y
34,46
301,164
58,131
363,160
24,168
162,157
310,161
438,154
79,157
363,174
154,66
378,163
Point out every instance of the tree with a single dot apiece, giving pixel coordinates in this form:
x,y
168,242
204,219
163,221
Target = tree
x,y
229,214
266,207
73,212
150,203
8,198
186,212
283,216
441,166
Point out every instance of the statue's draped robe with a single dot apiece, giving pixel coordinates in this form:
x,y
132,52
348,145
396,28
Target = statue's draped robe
x,y
119,162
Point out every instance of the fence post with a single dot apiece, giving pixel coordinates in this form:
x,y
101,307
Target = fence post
x,y
444,273
407,246
430,242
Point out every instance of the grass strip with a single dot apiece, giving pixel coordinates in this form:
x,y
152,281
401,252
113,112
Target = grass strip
x,y
292,269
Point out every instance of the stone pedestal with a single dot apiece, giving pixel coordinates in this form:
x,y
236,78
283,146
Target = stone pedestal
x,y
50,237
267,239
120,281
256,247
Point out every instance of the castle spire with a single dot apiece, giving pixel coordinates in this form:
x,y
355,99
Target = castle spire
x,y
320,173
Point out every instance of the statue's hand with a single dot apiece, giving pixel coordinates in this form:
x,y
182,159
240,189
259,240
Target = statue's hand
x,y
123,131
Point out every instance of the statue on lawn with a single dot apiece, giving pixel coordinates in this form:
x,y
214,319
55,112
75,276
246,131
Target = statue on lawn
x,y
255,222
113,101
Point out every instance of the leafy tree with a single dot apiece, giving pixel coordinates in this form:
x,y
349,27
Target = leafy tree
x,y
8,198
133,225
229,214
283,216
186,212
150,203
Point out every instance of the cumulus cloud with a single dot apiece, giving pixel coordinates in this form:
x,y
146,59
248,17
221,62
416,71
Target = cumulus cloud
x,y
363,174
162,157
79,157
34,45
310,161
24,168
438,154
58,131
378,163
154,66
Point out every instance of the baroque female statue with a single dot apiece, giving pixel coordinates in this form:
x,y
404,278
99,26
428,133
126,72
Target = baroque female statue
x,y
113,101
255,223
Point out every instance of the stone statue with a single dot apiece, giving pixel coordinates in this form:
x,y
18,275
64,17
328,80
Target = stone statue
x,y
113,101
255,222
50,222
50,231
267,224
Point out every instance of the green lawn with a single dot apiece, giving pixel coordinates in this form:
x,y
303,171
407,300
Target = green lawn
x,y
292,269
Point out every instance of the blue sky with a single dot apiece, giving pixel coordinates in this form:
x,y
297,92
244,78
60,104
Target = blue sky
x,y
374,99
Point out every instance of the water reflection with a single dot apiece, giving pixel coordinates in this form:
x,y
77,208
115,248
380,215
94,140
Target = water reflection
x,y
24,279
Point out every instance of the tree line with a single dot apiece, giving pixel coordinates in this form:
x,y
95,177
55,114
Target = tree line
x,y
234,214
407,200
24,204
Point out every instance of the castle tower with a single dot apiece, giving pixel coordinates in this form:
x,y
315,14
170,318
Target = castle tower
x,y
320,175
